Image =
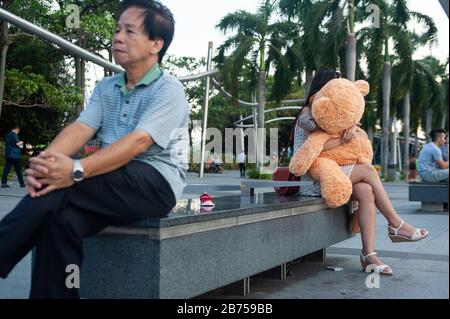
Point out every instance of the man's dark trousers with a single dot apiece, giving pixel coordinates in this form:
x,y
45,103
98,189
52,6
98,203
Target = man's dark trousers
x,y
242,169
56,224
10,162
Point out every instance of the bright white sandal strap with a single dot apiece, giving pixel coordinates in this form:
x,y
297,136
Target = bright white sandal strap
x,y
382,268
397,229
368,255
417,234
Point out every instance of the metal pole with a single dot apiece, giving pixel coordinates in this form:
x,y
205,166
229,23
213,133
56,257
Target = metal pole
x,y
205,110
52,38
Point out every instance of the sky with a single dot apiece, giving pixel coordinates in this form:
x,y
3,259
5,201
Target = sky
x,y
196,21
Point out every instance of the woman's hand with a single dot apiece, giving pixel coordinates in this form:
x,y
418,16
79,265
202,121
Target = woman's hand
x,y
349,134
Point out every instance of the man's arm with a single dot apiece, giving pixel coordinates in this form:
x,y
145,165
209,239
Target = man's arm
x,y
66,143
116,155
442,164
17,142
71,139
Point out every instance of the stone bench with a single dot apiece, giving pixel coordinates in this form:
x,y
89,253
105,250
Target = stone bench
x,y
434,196
195,250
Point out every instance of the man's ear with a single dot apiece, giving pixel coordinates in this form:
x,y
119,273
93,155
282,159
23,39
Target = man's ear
x,y
320,107
157,46
363,87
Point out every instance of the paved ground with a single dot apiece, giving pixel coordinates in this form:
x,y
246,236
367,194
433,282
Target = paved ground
x,y
421,269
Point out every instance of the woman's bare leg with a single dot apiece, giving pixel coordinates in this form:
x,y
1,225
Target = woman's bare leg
x,y
363,193
367,174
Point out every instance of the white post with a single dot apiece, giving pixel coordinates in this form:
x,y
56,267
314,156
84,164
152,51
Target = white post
x,y
241,137
205,110
255,135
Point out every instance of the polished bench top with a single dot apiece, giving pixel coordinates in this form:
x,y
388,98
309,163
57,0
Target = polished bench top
x,y
188,211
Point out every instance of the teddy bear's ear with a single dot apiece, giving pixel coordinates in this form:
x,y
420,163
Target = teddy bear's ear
x,y
320,107
363,87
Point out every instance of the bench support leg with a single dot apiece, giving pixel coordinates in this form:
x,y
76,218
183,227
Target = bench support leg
x,y
279,272
320,256
432,207
241,287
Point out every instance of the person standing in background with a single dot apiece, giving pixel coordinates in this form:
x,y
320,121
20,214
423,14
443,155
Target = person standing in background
x,y
240,158
13,148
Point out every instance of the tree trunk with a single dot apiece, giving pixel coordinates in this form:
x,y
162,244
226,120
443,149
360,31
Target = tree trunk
x,y
191,145
110,59
406,130
392,167
308,80
350,57
350,52
429,123
385,123
370,133
83,81
444,123
4,44
78,83
80,77
416,144
261,118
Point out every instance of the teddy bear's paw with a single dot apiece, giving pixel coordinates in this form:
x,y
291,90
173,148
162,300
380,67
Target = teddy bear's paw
x,y
297,170
337,196
336,202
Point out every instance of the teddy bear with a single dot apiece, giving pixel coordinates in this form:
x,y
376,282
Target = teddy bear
x,y
338,106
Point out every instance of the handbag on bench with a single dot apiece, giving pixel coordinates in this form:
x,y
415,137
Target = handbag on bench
x,y
282,173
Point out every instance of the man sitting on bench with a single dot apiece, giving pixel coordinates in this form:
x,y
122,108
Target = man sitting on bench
x,y
142,119
432,167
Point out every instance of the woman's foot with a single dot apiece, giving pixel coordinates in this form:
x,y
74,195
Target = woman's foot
x,y
406,233
371,259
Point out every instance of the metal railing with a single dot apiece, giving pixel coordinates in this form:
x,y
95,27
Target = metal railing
x,y
76,50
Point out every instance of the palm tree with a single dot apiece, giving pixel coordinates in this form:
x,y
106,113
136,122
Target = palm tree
x,y
308,46
256,44
405,43
432,75
394,17
4,45
328,33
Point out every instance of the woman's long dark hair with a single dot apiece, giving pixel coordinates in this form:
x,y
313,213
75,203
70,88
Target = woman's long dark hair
x,y
321,78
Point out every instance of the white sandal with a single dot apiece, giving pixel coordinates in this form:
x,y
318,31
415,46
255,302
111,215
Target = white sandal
x,y
397,238
381,269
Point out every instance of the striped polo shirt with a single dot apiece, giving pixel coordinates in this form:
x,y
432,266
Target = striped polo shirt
x,y
156,105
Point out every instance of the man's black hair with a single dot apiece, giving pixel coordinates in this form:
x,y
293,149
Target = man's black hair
x,y
434,134
158,22
17,126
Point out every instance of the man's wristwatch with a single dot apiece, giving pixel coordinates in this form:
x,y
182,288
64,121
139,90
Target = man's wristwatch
x,y
77,171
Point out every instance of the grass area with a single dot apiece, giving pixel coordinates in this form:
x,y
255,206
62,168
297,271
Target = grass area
x,y
254,174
